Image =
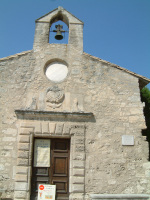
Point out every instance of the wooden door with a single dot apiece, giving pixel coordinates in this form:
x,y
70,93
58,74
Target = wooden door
x,y
58,172
60,149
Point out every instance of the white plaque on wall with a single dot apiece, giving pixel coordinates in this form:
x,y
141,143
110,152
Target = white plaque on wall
x,y
128,140
42,153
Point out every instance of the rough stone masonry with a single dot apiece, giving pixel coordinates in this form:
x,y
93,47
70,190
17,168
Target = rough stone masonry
x,y
96,105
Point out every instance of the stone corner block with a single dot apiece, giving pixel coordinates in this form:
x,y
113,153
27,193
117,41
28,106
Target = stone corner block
x,y
78,163
23,146
66,129
20,195
24,138
23,154
45,127
22,162
21,186
59,129
21,178
78,172
21,170
26,131
78,188
52,127
79,180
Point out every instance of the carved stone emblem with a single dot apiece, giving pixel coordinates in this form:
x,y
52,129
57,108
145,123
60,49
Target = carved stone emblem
x,y
54,97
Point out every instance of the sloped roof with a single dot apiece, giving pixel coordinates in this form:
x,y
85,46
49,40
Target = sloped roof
x,y
15,55
143,81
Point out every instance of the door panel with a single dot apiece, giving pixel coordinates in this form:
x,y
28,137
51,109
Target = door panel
x,y
60,150
61,186
57,173
60,166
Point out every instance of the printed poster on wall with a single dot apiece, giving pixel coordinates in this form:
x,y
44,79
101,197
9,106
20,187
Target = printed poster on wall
x,y
46,191
42,153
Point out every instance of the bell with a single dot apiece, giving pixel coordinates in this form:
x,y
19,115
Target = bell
x,y
58,35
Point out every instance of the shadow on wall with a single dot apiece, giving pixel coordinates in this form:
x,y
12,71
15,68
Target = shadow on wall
x,y
146,132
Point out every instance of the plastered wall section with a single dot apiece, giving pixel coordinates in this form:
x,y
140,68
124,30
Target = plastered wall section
x,y
111,94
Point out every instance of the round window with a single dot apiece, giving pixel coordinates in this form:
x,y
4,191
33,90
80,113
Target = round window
x,y
56,71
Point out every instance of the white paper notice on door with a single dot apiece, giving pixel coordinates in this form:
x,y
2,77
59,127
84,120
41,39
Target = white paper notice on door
x,y
42,153
46,191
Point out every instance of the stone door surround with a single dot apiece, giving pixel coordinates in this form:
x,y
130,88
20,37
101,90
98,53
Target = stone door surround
x,y
30,127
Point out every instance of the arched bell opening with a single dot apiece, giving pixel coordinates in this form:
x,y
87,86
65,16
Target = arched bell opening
x,y
59,32
59,29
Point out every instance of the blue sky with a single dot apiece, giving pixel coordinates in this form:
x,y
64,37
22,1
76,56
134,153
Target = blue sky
x,y
114,30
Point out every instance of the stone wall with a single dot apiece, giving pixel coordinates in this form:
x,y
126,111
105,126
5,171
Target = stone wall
x,y
111,94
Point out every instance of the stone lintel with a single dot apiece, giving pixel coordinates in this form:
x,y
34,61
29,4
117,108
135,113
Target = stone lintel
x,y
25,113
119,196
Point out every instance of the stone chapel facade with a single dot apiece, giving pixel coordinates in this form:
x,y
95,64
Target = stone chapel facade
x,y
71,119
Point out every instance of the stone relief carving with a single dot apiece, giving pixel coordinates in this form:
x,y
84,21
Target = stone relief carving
x,y
33,105
54,97
75,106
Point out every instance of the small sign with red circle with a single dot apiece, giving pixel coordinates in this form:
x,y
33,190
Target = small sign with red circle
x,y
41,187
46,191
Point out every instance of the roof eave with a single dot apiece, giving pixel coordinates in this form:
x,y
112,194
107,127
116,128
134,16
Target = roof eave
x,y
143,81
